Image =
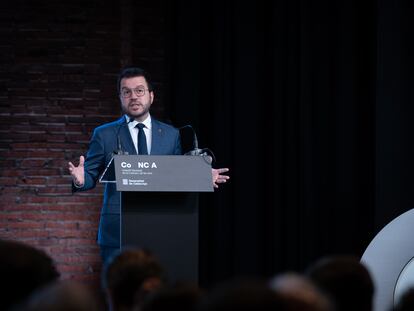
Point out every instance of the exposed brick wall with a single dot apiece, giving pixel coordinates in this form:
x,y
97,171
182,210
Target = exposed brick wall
x,y
59,61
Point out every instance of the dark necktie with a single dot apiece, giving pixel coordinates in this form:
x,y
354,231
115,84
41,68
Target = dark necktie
x,y
142,139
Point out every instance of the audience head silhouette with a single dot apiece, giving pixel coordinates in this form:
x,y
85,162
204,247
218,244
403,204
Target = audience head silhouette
x,y
62,296
406,301
23,269
243,295
299,293
181,296
346,281
130,276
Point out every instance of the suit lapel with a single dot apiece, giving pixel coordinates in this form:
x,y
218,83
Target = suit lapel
x,y
125,137
157,137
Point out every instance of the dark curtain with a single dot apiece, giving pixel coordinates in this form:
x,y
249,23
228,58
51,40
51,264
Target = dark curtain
x,y
309,104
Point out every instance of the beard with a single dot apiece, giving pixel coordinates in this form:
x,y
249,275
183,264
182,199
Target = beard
x,y
136,109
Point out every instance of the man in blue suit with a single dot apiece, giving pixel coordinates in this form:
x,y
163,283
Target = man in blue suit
x,y
136,132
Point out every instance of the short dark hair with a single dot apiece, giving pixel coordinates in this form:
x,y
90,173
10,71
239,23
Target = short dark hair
x,y
242,294
62,296
126,273
23,269
345,280
131,72
181,296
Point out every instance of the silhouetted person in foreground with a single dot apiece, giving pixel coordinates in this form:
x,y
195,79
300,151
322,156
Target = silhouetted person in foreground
x,y
130,276
406,302
299,293
243,295
346,281
61,296
181,296
23,269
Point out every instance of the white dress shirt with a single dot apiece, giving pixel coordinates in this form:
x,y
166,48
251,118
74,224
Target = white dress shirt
x,y
134,132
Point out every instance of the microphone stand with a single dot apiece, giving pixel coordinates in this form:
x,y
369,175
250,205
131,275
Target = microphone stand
x,y
204,152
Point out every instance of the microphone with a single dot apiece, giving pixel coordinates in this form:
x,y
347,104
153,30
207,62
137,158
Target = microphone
x,y
120,151
197,151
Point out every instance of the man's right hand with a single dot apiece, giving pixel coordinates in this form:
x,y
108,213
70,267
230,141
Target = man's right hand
x,y
78,172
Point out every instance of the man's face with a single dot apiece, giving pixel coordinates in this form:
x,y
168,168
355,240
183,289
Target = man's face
x,y
133,105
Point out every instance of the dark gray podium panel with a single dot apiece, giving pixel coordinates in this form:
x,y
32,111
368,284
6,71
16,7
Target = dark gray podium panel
x,y
163,173
166,224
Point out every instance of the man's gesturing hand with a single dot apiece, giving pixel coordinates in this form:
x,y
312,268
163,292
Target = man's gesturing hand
x,y
217,177
78,172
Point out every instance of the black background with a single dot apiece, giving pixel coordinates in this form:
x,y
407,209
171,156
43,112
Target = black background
x,y
309,103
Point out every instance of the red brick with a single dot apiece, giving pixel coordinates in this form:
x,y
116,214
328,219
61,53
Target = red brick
x,y
47,242
11,173
23,207
64,181
54,102
32,181
69,234
29,163
26,225
76,259
34,234
62,225
77,241
43,172
55,191
8,181
40,200
57,216
29,146
6,164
